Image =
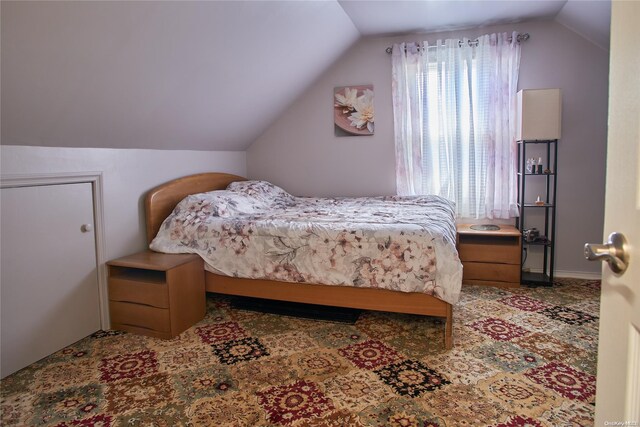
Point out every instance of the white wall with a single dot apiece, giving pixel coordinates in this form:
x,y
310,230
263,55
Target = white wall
x,y
127,176
300,152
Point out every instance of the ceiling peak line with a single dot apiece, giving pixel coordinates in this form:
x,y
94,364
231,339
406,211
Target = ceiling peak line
x,y
519,38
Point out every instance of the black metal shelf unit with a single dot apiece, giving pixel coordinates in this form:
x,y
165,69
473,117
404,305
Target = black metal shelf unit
x,y
547,241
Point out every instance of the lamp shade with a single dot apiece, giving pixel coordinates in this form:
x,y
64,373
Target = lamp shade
x,y
539,115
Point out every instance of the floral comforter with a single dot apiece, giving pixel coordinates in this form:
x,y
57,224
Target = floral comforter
x,y
257,230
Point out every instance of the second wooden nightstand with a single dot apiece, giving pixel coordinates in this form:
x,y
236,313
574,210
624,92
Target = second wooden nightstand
x,y
490,257
154,294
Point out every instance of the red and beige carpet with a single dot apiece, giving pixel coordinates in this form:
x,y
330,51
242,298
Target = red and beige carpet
x,y
524,357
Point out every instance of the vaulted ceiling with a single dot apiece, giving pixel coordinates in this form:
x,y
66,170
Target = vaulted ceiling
x,y
204,75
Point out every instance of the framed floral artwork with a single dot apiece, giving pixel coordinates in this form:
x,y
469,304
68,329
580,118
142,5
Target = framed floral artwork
x,y
353,110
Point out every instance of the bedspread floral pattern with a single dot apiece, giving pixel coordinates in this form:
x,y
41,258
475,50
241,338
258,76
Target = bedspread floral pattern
x,y
257,230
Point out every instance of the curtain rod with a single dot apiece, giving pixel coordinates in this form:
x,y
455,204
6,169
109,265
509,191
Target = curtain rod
x,y
519,38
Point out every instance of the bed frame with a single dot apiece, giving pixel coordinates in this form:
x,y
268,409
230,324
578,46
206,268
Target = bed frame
x,y
160,201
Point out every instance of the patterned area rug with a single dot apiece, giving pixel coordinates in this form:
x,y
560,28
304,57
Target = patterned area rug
x,y
521,357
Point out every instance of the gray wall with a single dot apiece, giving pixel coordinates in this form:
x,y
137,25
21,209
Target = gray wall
x,y
300,152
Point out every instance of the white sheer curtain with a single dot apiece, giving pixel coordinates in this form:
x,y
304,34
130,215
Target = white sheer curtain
x,y
454,117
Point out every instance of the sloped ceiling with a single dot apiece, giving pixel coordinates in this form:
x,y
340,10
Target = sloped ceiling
x,y
204,75
589,18
394,17
592,20
167,75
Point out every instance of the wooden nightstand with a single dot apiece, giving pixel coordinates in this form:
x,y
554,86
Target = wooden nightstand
x,y
154,294
490,257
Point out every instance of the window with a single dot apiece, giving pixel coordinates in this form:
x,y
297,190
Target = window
x,y
454,118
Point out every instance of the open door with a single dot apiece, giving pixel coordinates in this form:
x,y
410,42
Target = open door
x,y
618,379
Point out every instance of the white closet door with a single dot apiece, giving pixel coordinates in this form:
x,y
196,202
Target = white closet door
x,y
48,277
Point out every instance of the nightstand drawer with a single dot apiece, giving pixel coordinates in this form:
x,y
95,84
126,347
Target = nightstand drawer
x,y
496,253
140,315
149,293
491,272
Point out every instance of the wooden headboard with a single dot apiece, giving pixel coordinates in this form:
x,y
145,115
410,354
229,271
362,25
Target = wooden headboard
x,y
160,201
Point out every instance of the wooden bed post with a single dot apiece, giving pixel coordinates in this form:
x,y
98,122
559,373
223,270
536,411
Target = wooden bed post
x,y
448,328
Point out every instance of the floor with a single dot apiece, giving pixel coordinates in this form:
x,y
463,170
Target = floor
x,y
521,357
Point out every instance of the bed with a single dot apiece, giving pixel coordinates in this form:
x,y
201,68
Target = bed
x,y
180,201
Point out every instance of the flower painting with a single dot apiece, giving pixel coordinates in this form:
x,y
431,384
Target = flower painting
x,y
353,110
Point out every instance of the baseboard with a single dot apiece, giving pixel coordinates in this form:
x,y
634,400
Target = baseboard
x,y
587,275
579,274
